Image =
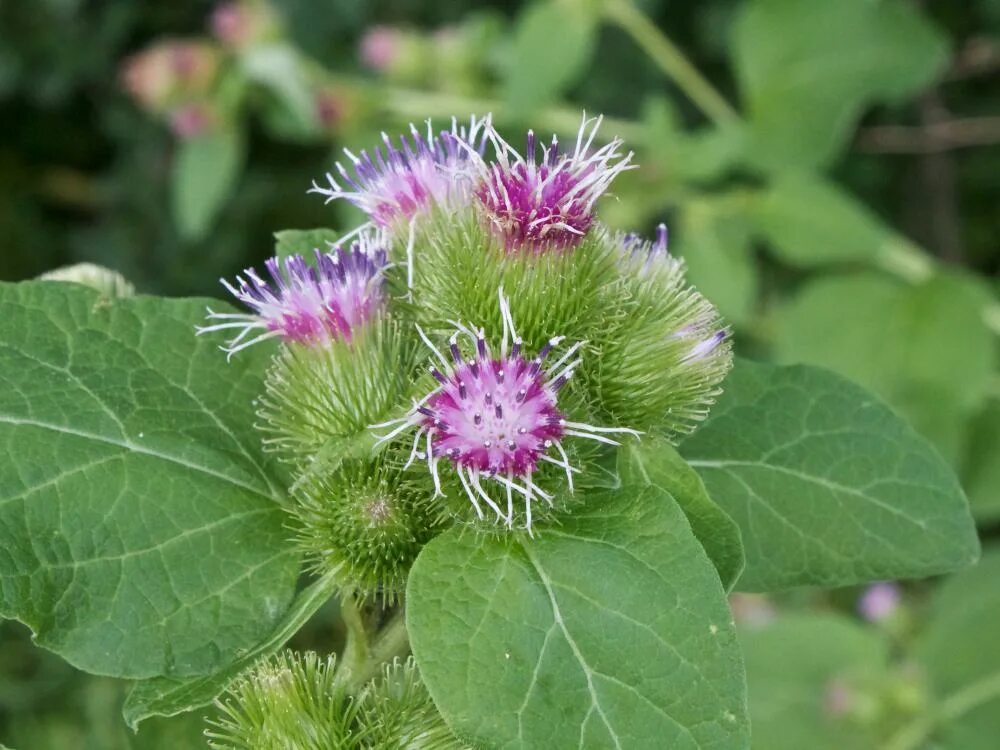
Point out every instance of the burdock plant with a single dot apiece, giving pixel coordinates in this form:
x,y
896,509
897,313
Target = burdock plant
x,y
505,434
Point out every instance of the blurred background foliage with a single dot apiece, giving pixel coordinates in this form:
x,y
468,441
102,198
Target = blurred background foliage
x,y
829,170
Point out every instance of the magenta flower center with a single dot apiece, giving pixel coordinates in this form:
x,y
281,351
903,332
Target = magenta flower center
x,y
494,415
534,206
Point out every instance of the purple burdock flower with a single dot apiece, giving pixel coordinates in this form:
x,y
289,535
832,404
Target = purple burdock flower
x,y
879,601
496,416
548,204
394,184
303,304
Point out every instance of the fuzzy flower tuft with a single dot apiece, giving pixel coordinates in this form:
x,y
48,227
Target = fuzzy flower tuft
x,y
662,363
496,416
660,273
397,183
548,204
303,304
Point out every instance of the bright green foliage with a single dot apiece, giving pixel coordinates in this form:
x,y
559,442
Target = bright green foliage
x,y
807,69
654,462
924,348
140,524
316,394
810,679
828,486
460,265
366,522
204,172
961,654
611,630
166,696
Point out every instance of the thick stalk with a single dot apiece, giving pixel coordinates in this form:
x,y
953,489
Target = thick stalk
x,y
917,733
670,60
367,650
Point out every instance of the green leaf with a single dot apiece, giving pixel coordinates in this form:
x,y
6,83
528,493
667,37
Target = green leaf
x,y
552,46
924,347
715,244
280,69
654,462
794,665
828,486
697,156
166,696
609,631
140,530
303,241
961,653
204,172
981,467
807,70
810,222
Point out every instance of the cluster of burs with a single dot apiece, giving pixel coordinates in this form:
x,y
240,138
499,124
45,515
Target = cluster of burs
x,y
474,353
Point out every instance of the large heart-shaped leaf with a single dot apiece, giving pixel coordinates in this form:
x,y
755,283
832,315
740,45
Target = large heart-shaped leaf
x,y
169,696
828,486
611,630
140,527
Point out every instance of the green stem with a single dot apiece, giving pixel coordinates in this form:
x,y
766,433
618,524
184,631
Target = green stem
x,y
365,650
355,654
914,735
670,60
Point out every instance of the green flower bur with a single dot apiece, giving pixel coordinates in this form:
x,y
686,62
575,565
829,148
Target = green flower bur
x,y
366,521
399,712
314,394
495,418
459,265
661,363
291,702
295,702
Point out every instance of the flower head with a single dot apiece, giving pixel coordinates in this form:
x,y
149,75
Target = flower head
x,y
662,274
548,204
395,184
305,304
496,415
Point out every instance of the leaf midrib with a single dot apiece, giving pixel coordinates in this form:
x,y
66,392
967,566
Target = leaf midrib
x,y
133,448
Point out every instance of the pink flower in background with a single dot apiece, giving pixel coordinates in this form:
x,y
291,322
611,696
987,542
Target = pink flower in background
x,y
192,120
238,25
879,601
380,47
309,305
166,72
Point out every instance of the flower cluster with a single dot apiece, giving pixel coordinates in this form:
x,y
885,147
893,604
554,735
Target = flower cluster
x,y
598,339
495,416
